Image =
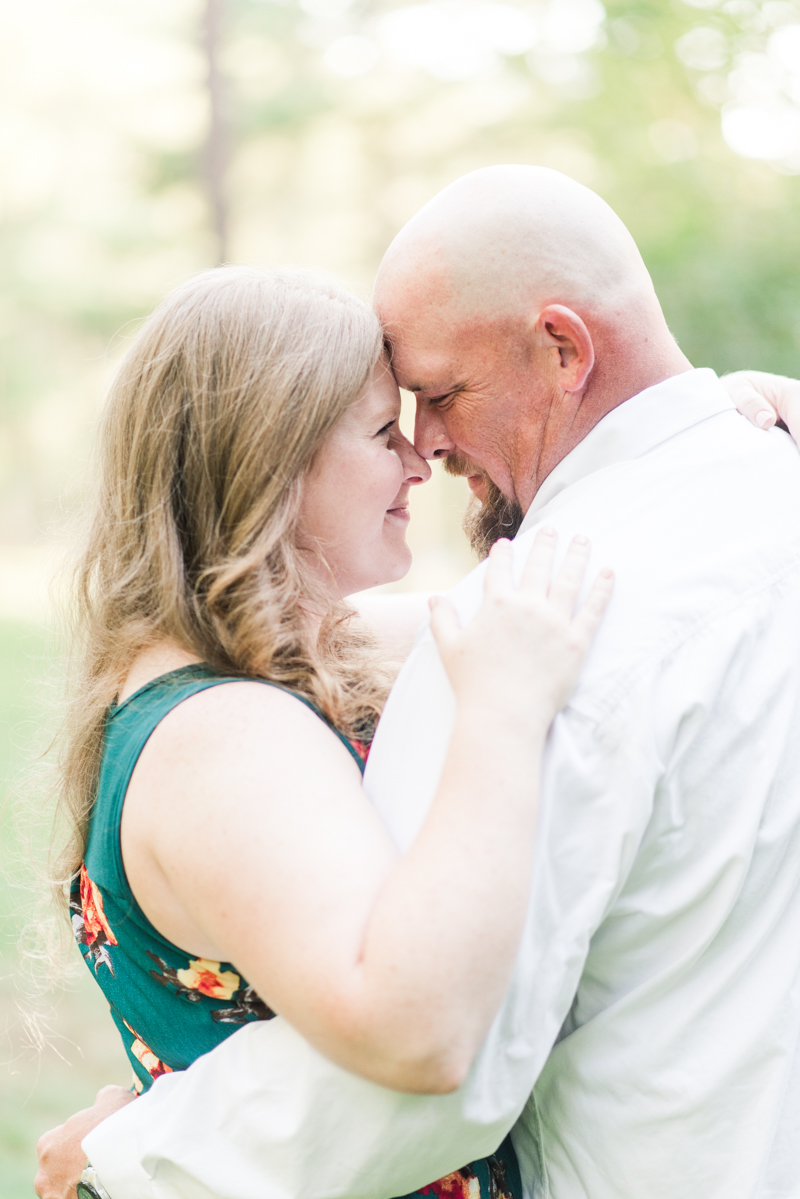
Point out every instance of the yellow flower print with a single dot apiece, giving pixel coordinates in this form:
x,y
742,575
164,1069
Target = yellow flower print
x,y
209,979
145,1056
152,1064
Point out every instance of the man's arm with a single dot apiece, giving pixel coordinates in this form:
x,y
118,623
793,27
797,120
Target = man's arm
x,y
265,1115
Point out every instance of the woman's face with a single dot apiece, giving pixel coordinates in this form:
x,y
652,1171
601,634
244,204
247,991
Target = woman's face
x,y
354,507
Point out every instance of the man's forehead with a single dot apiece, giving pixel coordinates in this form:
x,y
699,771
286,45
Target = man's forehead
x,y
423,372
436,361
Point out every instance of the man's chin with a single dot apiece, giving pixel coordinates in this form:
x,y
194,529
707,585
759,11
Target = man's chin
x,y
487,520
489,515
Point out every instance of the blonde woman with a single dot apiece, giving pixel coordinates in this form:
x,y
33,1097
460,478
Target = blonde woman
x,y
224,863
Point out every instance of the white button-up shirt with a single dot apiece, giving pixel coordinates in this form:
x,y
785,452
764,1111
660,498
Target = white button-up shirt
x,y
648,1044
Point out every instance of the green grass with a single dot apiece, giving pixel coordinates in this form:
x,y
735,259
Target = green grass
x,y
78,1050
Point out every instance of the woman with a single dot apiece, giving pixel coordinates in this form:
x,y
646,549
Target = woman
x,y
224,863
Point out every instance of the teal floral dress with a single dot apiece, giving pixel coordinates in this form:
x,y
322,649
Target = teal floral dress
x,y
168,1006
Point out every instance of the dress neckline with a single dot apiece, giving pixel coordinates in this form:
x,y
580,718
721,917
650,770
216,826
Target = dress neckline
x,y
191,669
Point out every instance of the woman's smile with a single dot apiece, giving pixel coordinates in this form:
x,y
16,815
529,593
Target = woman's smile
x,y
365,462
399,509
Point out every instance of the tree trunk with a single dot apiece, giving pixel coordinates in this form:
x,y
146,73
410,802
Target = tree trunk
x,y
215,158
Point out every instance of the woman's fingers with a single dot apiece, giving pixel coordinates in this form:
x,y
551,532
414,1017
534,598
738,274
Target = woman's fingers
x,y
587,619
538,569
785,396
498,580
749,400
569,579
763,397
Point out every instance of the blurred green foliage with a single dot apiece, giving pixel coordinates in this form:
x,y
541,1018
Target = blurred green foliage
x,y
57,1046
104,203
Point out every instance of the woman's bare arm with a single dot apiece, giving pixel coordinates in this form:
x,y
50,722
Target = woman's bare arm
x,y
247,837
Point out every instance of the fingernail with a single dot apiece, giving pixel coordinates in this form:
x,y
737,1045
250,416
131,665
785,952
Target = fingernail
x,y
605,573
579,539
548,531
765,419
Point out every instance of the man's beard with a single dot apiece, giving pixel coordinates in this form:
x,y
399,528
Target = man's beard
x,y
486,521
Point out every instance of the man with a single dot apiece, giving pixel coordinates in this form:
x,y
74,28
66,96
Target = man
x,y
647,1045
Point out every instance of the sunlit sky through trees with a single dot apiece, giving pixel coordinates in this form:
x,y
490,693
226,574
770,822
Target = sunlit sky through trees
x,y
142,141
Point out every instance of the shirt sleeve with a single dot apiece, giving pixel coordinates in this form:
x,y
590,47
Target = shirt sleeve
x,y
265,1115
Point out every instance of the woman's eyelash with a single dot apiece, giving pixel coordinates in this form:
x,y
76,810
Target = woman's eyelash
x,y
387,427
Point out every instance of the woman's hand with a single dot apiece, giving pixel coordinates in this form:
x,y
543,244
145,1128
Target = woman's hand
x,y
61,1159
521,654
242,787
765,398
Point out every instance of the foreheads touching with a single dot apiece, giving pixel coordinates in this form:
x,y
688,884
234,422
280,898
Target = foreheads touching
x,y
516,304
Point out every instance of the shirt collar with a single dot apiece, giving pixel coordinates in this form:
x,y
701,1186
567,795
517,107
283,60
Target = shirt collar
x,y
634,427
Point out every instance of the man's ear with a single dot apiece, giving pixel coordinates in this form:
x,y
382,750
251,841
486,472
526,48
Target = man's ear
x,y
563,332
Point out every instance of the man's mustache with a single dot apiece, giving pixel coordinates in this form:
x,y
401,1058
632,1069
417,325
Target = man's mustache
x,y
485,521
460,466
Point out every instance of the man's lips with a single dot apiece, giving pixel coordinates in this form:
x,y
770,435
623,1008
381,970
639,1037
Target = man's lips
x,y
477,485
401,512
461,467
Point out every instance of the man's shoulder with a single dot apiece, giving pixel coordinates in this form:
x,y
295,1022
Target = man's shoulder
x,y
704,528
713,499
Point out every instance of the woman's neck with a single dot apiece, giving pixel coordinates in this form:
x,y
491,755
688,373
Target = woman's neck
x,y
151,663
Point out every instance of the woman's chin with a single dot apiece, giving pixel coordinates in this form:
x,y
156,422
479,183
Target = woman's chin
x,y
391,569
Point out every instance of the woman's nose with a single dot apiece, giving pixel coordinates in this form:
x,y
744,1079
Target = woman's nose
x,y
415,468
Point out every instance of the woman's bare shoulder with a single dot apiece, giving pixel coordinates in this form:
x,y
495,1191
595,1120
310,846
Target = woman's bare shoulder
x,y
243,720
232,778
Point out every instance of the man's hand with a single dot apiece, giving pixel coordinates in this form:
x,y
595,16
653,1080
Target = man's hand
x,y
765,398
61,1159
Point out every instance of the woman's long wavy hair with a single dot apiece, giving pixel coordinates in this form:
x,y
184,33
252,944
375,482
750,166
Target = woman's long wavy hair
x,y
210,426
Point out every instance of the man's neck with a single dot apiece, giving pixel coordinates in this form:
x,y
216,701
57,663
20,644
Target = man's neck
x,y
572,416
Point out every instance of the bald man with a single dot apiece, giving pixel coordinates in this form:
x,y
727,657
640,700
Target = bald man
x,y
647,1047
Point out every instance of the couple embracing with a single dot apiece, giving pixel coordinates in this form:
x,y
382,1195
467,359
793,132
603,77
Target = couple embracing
x,y
549,946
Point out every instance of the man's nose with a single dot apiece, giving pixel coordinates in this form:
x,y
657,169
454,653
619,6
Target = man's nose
x,y
431,439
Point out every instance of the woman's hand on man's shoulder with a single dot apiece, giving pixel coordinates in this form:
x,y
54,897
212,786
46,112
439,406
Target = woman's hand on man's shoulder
x,y
764,398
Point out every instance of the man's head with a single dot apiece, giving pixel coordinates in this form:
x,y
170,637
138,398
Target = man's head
x,y
519,310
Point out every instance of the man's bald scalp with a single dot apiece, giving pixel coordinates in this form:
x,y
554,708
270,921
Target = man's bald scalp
x,y
504,238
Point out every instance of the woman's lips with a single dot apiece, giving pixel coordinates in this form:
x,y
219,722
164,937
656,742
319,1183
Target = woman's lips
x,y
401,513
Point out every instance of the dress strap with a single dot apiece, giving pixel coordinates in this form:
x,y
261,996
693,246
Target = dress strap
x,y
128,728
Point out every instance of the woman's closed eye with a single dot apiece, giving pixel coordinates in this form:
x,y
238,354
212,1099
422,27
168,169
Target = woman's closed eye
x,y
387,428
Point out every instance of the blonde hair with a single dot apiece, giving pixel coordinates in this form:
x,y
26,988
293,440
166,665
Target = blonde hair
x,y
210,425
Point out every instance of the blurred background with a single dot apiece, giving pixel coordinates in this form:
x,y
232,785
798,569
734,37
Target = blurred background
x,y
141,142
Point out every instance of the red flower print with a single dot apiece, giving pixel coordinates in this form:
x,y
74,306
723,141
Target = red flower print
x,y
94,918
209,978
89,923
461,1184
362,748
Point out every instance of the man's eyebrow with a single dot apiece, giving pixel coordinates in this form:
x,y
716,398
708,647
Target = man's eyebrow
x,y
444,395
